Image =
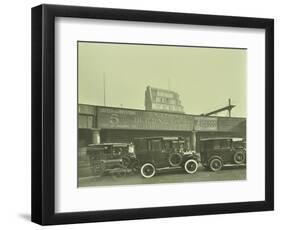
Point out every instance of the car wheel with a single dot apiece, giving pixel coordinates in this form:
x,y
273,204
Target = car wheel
x,y
148,170
215,164
239,157
191,166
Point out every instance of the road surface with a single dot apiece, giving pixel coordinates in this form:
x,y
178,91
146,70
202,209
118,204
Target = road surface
x,y
167,176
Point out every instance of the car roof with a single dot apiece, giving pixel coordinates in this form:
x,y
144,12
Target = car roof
x,y
160,137
222,138
109,144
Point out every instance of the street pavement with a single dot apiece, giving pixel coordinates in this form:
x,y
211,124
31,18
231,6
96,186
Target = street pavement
x,y
167,176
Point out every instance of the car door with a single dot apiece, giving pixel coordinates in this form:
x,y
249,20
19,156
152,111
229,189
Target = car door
x,y
142,150
226,151
159,156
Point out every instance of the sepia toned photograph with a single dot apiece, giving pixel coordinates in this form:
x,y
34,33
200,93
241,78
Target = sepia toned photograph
x,y
140,114
150,114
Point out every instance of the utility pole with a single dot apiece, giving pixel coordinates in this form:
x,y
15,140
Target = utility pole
x,y
229,107
104,90
226,108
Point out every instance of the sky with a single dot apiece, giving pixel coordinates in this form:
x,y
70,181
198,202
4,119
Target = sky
x,y
204,77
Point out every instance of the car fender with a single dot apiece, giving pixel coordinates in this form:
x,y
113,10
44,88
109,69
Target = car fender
x,y
187,157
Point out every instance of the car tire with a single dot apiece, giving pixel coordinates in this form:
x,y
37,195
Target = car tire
x,y
175,159
239,157
148,170
191,166
215,164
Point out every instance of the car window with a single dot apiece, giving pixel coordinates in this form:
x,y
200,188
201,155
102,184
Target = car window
x,y
175,146
238,144
187,144
225,144
141,145
216,145
167,146
156,145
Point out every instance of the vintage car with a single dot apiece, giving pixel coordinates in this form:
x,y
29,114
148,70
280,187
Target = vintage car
x,y
117,159
219,152
159,153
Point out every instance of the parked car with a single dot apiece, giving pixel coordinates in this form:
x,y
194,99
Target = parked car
x,y
219,152
158,153
117,159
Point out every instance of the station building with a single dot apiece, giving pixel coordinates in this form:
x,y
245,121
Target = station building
x,y
111,124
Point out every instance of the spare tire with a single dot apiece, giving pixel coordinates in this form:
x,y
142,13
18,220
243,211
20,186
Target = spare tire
x,y
175,159
239,157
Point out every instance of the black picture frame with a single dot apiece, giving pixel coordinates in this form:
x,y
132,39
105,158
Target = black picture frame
x,y
43,114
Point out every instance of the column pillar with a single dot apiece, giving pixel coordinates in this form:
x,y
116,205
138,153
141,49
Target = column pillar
x,y
193,141
95,136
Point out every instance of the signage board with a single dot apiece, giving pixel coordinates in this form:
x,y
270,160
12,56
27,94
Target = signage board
x,y
162,100
206,123
119,118
114,118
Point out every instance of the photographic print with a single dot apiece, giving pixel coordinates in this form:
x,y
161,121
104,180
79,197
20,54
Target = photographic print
x,y
153,105
150,113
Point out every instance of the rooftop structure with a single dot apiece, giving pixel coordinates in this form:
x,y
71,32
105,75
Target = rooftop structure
x,y
162,100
